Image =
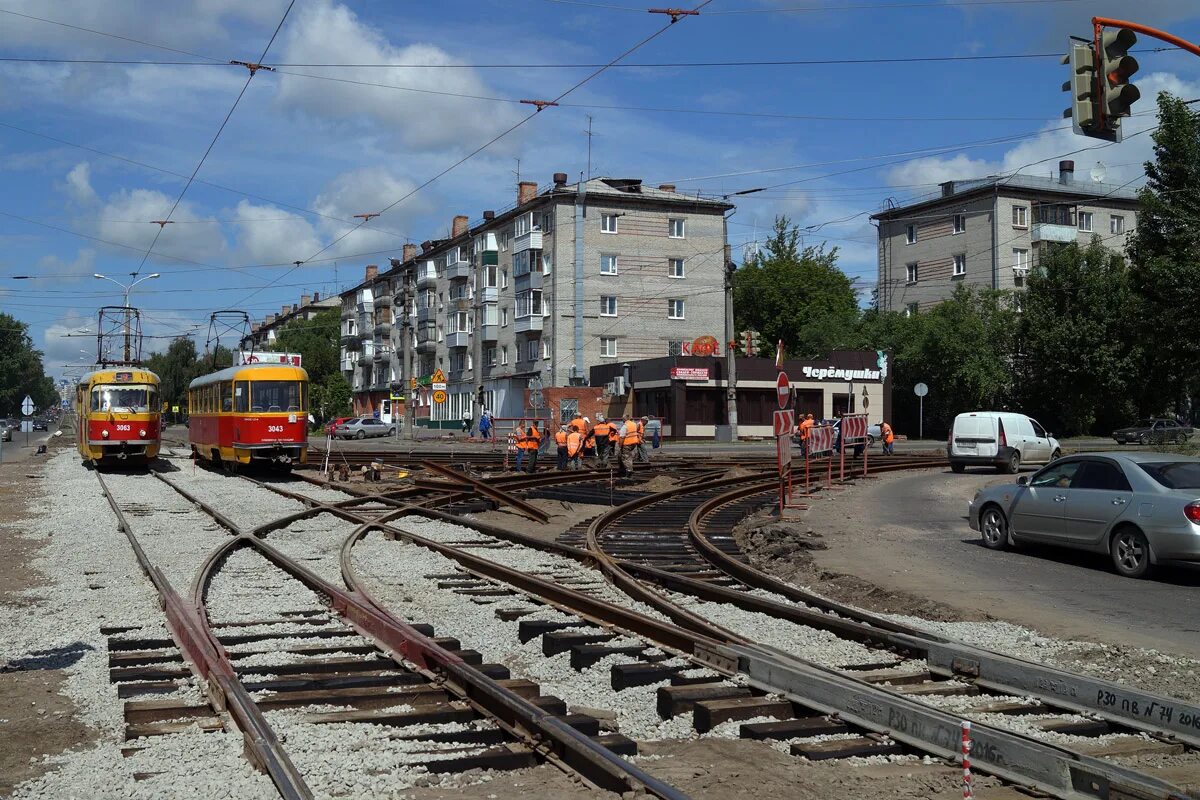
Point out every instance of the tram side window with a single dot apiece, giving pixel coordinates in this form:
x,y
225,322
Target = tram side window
x,y
227,396
276,396
241,397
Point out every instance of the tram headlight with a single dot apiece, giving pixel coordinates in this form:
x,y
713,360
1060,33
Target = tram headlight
x,y
104,434
142,433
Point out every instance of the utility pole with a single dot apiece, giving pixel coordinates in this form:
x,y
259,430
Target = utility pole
x,y
406,370
126,289
477,334
589,137
730,358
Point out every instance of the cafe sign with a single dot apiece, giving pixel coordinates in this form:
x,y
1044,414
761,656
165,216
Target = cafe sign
x,y
689,373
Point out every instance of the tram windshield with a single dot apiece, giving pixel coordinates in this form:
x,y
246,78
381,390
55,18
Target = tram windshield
x,y
278,395
130,399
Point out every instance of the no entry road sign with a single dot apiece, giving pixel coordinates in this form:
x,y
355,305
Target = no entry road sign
x,y
783,389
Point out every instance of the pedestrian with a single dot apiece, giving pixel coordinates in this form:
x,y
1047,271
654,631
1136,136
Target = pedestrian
x,y
654,431
589,438
519,441
467,422
629,443
485,426
560,439
574,450
533,443
889,439
643,454
600,435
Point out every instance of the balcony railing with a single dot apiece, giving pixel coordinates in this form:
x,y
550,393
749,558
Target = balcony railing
x,y
528,241
1051,232
527,324
458,339
458,269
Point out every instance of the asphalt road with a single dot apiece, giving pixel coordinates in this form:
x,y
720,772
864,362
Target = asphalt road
x,y
931,551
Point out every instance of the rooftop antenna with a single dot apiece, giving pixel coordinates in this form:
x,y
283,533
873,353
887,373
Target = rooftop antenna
x,y
1099,172
517,172
589,138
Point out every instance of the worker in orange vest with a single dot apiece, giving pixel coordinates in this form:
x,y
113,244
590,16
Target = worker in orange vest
x,y
560,439
805,427
589,439
614,441
889,439
630,438
643,455
577,424
527,448
600,432
574,449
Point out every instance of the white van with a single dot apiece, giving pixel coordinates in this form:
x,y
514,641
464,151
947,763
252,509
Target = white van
x,y
999,439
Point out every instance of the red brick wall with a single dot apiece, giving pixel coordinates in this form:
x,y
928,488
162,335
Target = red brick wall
x,y
589,397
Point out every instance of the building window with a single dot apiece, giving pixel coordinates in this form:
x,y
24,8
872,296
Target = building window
x,y
503,279
547,262
910,309
523,224
1020,258
960,265
1116,224
675,348
608,347
608,306
1085,221
910,272
546,349
533,349
489,357
608,223
674,309
504,355
676,268
676,228
910,234
960,223
529,303
1020,216
504,317
608,264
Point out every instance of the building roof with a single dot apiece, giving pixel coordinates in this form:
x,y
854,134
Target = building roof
x,y
956,191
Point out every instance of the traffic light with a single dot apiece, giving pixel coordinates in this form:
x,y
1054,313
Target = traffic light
x,y
1116,67
1082,86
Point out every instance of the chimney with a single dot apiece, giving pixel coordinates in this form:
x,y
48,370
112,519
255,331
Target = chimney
x,y
409,252
459,226
426,245
1066,171
316,298
372,272
268,319
286,310
667,187
560,180
305,300
489,215
947,188
526,191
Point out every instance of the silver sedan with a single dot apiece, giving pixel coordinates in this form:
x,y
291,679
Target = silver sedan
x,y
1140,508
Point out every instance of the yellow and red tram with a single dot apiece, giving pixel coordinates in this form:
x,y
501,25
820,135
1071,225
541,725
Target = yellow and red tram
x,y
255,413
117,415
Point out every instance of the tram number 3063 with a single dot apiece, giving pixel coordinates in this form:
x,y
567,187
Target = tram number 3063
x,y
274,429
124,427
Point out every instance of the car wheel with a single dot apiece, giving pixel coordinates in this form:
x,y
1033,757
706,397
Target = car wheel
x,y
1130,553
993,528
1144,438
391,431
1056,455
870,440
957,468
360,435
1014,464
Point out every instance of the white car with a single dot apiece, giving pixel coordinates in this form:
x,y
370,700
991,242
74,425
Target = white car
x,y
1001,439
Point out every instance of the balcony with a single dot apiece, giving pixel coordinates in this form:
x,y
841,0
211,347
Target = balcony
x,y
491,333
528,241
458,269
489,294
381,299
426,276
457,375
365,308
365,357
352,340
383,328
530,280
383,353
532,324
427,346
1050,232
458,339
349,363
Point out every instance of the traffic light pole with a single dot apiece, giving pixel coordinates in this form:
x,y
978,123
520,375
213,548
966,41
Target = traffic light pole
x,y
1105,22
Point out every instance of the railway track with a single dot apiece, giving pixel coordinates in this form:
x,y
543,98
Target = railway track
x,y
876,698
282,651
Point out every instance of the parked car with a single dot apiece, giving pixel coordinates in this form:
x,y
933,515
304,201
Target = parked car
x,y
1000,439
362,427
1152,431
6,433
40,425
1140,508
332,426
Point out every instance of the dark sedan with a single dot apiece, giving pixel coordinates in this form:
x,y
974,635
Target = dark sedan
x,y
1153,431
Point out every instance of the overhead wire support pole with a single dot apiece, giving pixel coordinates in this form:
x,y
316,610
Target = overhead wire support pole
x,y
1182,44
539,103
674,13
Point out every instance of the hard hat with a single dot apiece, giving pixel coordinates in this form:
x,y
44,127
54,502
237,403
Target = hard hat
x,y
586,419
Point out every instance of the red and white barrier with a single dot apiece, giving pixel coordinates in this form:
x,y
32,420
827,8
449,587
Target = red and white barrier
x,y
854,430
968,789
820,440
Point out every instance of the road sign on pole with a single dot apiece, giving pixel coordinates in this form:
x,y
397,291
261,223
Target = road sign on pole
x,y
783,390
920,390
27,406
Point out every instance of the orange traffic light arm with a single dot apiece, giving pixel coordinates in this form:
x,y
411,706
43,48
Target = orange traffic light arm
x,y
1183,44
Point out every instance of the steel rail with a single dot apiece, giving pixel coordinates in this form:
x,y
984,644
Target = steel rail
x,y
1013,757
545,734
224,691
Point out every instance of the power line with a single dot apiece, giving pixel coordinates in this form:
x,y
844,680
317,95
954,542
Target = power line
x,y
109,35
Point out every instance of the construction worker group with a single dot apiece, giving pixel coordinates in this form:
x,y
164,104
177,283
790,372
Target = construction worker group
x,y
580,440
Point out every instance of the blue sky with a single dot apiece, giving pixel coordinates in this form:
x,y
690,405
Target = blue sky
x,y
301,155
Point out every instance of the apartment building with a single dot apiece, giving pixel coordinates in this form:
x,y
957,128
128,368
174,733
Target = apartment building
x,y
990,232
603,271
262,334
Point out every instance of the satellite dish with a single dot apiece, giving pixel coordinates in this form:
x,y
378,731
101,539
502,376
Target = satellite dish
x,y
1099,172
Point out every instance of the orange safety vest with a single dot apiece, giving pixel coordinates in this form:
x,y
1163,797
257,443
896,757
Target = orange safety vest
x,y
601,430
632,436
805,426
531,440
574,443
576,424
888,436
560,438
614,431
641,431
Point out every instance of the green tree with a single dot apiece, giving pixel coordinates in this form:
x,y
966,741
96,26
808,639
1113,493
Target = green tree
x,y
1165,258
22,371
176,368
316,340
1078,358
331,398
797,295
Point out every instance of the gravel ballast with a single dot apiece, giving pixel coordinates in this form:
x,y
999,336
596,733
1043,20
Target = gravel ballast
x,y
246,504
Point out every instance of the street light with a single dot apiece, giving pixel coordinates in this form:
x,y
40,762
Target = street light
x,y
126,288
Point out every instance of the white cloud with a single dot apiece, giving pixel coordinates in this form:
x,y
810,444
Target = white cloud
x,y
368,190
83,265
79,184
265,234
126,218
936,169
324,32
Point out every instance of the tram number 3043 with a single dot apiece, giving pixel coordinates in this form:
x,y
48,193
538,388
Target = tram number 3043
x,y
274,429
